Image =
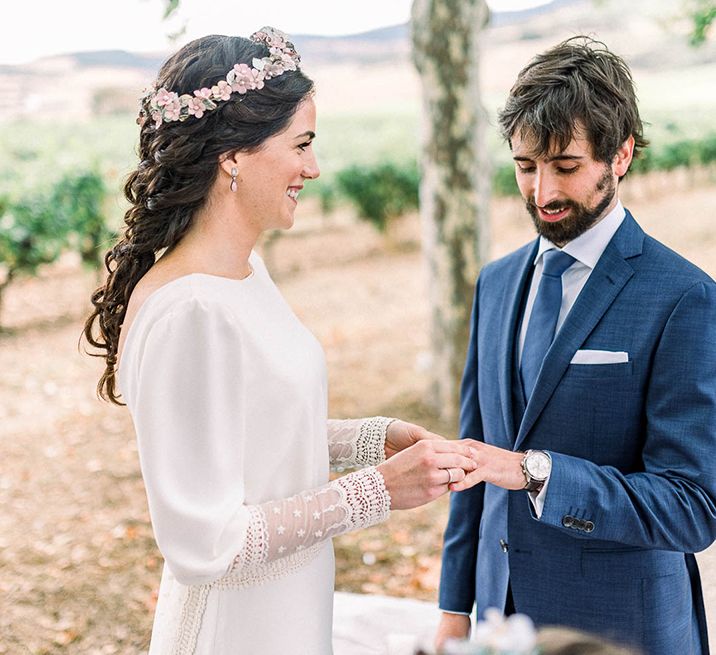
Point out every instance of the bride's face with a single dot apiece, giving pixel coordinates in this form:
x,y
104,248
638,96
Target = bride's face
x,y
269,180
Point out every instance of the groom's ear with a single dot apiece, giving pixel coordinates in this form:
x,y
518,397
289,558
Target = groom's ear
x,y
622,158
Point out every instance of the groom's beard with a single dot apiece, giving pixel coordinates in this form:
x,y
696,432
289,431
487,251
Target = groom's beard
x,y
580,219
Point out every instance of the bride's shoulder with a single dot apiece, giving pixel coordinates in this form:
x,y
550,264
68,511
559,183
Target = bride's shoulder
x,y
161,298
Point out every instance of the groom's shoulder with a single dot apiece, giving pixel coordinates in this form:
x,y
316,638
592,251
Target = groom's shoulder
x,y
507,263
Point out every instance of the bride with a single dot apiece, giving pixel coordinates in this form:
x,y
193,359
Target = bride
x,y
226,388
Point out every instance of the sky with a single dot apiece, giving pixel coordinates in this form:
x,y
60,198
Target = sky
x,y
30,30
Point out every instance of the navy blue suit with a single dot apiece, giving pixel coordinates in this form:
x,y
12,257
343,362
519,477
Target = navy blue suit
x,y
632,493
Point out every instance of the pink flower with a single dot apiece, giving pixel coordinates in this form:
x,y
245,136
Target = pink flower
x,y
222,91
241,78
273,69
203,93
164,97
172,110
195,107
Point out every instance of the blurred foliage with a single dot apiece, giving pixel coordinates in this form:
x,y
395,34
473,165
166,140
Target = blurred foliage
x,y
682,153
37,228
504,182
703,14
79,199
31,234
170,6
381,192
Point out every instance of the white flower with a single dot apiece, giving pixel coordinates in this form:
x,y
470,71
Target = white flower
x,y
515,634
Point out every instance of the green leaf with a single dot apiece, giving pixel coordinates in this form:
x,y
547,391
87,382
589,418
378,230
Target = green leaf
x,y
170,7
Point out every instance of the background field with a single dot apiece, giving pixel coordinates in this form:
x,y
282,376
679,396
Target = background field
x,y
78,565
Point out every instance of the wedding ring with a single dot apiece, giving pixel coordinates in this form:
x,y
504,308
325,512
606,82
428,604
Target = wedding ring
x,y
450,478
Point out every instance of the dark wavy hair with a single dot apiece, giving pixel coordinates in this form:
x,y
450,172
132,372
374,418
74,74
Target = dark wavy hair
x,y
178,164
577,81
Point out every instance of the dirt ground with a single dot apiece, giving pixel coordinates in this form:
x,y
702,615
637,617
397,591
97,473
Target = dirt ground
x,y
78,567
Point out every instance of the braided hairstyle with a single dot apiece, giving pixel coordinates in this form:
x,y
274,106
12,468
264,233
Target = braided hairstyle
x,y
178,164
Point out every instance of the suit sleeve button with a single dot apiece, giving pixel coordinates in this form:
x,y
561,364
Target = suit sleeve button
x,y
567,521
588,526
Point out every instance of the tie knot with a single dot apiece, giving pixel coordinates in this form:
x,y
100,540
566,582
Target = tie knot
x,y
556,262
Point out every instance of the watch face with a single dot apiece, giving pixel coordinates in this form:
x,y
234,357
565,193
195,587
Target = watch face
x,y
538,465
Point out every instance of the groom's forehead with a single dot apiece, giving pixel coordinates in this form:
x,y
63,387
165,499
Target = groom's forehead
x,y
527,144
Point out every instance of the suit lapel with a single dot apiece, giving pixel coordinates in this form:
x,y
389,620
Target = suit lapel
x,y
608,278
512,302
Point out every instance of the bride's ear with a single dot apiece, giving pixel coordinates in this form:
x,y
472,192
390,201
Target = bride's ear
x,y
231,161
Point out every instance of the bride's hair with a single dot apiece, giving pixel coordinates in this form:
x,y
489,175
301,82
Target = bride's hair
x,y
178,164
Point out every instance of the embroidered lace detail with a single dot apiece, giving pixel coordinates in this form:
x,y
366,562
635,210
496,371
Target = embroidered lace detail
x,y
357,442
255,550
192,614
366,499
370,448
252,576
284,535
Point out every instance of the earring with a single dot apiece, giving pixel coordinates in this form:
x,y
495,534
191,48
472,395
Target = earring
x,y
233,186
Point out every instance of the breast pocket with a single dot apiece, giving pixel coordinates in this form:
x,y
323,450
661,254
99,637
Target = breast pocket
x,y
603,405
600,371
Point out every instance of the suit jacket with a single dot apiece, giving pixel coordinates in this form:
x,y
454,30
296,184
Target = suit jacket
x,y
632,493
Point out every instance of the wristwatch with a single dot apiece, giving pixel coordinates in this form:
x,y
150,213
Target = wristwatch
x,y
536,465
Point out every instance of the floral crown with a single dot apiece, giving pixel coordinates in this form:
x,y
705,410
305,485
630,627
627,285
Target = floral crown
x,y
168,106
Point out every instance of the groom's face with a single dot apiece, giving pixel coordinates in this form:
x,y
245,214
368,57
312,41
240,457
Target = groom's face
x,y
567,191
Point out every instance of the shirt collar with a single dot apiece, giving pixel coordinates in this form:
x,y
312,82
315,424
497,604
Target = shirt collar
x,y
588,247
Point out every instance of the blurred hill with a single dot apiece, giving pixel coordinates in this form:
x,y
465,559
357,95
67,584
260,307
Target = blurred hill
x,y
372,72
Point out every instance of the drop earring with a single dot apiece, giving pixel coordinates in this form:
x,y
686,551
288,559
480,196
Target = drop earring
x,y
233,186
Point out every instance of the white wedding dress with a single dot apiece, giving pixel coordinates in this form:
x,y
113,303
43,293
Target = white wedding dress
x,y
227,391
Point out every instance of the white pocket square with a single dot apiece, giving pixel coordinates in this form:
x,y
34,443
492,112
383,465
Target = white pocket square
x,y
599,357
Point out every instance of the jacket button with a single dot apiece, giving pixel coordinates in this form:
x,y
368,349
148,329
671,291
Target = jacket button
x,y
504,545
588,526
567,521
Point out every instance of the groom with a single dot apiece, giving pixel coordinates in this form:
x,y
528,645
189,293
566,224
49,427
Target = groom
x,y
589,388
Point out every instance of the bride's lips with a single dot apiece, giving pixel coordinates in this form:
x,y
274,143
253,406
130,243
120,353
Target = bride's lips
x,y
292,193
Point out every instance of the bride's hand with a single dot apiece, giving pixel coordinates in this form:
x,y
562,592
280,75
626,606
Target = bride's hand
x,y
402,435
425,470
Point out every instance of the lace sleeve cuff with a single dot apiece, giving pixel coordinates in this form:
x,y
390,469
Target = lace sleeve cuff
x,y
282,535
358,442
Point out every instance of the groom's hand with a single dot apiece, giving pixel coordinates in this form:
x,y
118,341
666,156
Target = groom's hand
x,y
498,466
402,435
451,626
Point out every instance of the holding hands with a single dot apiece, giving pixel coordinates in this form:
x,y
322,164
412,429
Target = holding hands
x,y
420,465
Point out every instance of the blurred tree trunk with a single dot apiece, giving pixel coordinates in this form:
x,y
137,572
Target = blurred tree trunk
x,y
455,184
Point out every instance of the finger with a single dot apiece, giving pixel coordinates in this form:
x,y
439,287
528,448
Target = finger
x,y
455,475
447,446
469,481
454,460
426,434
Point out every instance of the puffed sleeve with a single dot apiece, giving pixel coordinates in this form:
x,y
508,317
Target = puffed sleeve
x,y
187,415
187,411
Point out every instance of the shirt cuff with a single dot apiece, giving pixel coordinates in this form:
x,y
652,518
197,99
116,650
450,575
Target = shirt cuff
x,y
537,498
454,612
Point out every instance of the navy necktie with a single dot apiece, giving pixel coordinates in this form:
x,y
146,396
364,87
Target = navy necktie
x,y
543,320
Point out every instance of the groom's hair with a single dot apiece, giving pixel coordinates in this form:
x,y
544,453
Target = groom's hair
x,y
576,85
